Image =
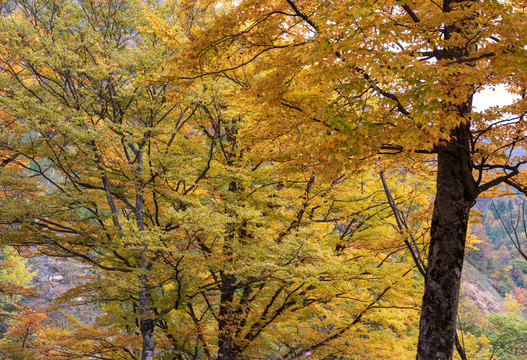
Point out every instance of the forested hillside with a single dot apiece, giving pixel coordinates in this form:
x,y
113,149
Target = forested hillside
x,y
261,180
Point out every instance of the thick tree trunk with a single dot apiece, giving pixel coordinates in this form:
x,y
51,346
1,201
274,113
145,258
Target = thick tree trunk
x,y
455,195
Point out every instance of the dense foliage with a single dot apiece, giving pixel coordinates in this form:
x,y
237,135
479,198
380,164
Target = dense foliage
x,y
214,168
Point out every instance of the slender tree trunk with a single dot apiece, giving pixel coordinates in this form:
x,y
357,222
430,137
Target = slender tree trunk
x,y
146,323
455,195
226,317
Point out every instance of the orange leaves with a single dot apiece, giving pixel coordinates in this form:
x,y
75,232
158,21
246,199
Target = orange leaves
x,y
28,322
308,70
86,341
20,341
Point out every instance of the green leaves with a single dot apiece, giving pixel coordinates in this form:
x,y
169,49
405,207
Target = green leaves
x,y
507,336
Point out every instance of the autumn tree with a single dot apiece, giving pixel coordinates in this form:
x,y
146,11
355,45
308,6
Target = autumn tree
x,y
191,239
286,255
344,82
15,275
75,82
261,257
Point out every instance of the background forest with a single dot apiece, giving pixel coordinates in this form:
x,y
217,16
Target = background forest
x,y
260,180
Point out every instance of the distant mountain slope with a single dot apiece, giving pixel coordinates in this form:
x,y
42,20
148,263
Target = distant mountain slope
x,y
480,289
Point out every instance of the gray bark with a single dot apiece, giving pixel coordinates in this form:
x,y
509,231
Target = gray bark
x,y
147,322
455,195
